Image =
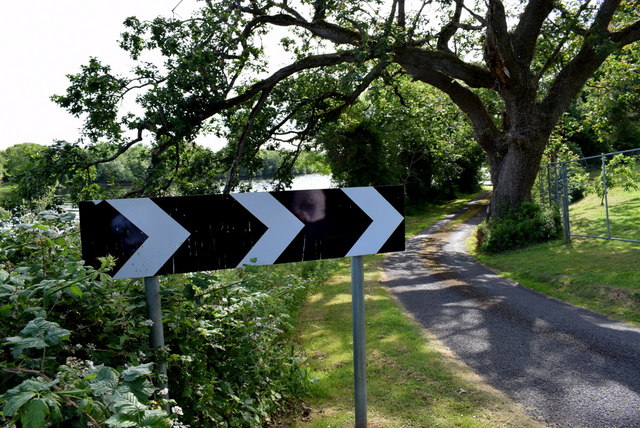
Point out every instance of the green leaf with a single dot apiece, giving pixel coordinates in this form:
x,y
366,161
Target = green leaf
x,y
49,331
14,403
133,373
37,334
34,414
105,382
75,290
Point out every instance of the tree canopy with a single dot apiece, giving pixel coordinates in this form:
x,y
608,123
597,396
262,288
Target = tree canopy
x,y
512,67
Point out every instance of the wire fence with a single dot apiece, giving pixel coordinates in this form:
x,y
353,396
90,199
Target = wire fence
x,y
599,196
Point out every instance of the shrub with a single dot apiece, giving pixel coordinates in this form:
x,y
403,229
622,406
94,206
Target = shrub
x,y
522,226
76,347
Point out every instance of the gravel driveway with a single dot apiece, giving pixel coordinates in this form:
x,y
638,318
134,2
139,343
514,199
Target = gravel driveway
x,y
569,367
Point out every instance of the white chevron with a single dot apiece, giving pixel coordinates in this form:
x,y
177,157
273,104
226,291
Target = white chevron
x,y
282,227
385,220
164,236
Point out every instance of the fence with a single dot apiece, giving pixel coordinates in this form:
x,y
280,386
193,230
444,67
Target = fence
x,y
599,196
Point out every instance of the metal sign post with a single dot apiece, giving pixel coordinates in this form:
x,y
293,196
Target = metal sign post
x,y
359,341
154,313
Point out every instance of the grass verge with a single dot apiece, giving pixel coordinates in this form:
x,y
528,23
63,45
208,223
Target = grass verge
x,y
413,381
595,274
419,218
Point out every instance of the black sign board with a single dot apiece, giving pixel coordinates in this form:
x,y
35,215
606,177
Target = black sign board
x,y
156,236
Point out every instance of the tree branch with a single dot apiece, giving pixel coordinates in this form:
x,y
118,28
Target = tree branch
x,y
470,103
313,61
123,148
242,142
498,51
627,35
445,62
402,23
449,30
320,28
528,29
569,82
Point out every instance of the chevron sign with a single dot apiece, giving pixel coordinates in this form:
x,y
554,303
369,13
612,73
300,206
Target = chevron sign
x,y
159,236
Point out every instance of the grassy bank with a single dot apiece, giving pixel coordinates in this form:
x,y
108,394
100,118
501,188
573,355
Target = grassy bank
x,y
413,381
595,274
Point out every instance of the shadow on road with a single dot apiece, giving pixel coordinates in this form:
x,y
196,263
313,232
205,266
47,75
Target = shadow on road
x,y
568,366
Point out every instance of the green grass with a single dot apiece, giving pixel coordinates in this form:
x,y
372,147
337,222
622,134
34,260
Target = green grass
x,y
419,218
5,190
412,379
596,274
588,217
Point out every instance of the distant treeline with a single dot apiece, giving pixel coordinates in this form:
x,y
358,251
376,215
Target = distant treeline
x,y
132,165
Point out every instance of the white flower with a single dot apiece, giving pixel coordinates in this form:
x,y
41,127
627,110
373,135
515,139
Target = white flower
x,y
177,410
147,323
164,391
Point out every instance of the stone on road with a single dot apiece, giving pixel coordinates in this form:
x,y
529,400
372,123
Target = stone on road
x,y
568,366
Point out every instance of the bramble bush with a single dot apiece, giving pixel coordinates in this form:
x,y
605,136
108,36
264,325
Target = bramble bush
x,y
75,341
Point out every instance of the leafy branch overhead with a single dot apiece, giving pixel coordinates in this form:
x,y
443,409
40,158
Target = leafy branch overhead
x,y
219,72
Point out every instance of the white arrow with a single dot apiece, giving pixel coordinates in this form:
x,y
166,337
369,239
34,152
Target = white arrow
x,y
385,220
282,227
164,236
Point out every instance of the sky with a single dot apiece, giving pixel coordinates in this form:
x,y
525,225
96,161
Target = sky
x,y
42,41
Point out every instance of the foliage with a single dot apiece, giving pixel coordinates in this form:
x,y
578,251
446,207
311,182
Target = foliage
x,y
127,169
511,67
520,227
53,167
608,109
17,158
406,134
64,168
76,341
619,171
549,180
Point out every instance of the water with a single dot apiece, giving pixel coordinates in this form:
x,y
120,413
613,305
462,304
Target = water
x,y
300,182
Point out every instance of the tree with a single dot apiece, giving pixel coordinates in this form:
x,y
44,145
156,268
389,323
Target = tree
x,y
512,70
407,134
19,158
611,104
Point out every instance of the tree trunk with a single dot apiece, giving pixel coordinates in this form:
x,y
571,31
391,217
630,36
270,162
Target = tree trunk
x,y
513,172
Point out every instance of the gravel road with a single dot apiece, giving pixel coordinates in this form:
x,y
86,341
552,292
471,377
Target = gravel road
x,y
569,367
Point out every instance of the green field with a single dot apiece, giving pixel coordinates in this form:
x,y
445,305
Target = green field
x,y
589,217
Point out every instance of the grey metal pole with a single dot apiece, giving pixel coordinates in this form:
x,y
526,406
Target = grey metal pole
x,y
359,341
605,197
565,204
154,313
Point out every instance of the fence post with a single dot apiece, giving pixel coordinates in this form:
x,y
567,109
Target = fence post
x,y
605,197
565,204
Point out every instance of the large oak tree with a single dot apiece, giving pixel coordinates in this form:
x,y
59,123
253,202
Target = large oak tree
x,y
512,67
